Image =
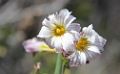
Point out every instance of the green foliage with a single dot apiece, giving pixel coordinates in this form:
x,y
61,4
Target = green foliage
x,y
47,61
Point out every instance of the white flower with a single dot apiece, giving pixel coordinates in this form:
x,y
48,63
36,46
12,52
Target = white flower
x,y
34,45
87,45
58,30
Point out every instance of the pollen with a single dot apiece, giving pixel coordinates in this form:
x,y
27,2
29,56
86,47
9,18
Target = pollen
x,y
82,44
59,30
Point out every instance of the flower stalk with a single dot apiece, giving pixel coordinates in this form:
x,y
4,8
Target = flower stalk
x,y
59,66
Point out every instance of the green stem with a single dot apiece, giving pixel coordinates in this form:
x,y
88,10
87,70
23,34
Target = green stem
x,y
59,62
63,68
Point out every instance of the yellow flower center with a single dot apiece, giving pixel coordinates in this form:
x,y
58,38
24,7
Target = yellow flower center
x,y
82,44
58,30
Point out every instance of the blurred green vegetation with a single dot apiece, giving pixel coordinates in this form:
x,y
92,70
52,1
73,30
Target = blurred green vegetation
x,y
5,33
47,60
81,9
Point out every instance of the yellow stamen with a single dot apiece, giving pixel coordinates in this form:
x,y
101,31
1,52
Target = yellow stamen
x,y
82,44
58,30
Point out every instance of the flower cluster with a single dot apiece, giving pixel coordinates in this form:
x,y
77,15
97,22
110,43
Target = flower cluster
x,y
61,35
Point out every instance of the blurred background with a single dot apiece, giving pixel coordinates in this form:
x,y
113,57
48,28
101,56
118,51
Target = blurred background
x,y
21,20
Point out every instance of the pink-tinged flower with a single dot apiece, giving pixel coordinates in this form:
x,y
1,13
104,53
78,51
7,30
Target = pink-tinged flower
x,y
58,30
87,45
34,45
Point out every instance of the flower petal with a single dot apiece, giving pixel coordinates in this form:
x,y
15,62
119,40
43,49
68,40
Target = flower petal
x,y
56,42
44,32
32,45
90,55
69,20
100,41
88,30
94,49
64,14
52,18
83,58
46,23
67,41
91,39
76,35
74,27
74,59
